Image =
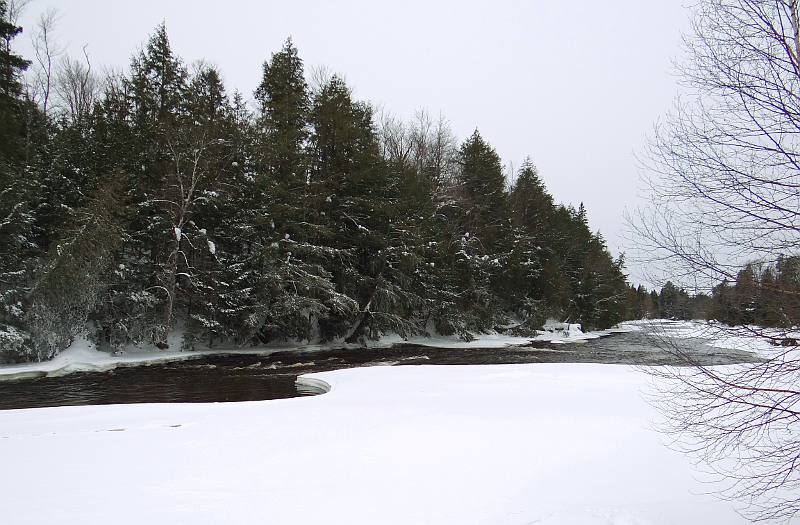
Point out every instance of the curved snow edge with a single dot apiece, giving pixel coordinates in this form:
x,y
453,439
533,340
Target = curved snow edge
x,y
83,357
312,385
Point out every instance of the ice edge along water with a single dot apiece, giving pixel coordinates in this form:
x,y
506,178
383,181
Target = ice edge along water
x,y
82,356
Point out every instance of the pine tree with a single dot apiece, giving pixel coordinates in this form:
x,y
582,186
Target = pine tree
x,y
531,210
746,295
17,195
157,85
360,202
290,255
224,306
68,286
209,137
283,105
12,105
477,246
152,145
768,303
483,192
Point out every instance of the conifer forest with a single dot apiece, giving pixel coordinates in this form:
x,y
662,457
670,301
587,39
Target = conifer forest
x,y
153,200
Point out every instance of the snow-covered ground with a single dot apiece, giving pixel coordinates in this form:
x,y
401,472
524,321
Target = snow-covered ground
x,y
548,444
83,356
753,339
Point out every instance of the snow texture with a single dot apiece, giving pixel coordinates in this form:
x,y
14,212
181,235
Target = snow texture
x,y
82,355
718,335
548,444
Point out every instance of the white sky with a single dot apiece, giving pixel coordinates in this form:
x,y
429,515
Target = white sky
x,y
576,85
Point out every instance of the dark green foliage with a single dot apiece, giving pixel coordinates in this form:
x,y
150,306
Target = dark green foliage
x,y
359,197
13,108
18,198
283,108
170,207
483,195
71,280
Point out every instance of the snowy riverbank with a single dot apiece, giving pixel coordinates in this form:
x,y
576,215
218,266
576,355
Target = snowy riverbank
x,y
551,444
82,355
754,339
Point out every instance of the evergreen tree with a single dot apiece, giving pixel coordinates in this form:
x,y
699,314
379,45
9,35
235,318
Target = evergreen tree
x,y
68,286
531,209
209,136
483,192
283,104
291,255
156,150
768,302
359,197
745,295
169,204
12,105
17,198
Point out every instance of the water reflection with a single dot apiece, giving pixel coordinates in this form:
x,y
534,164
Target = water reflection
x,y
248,378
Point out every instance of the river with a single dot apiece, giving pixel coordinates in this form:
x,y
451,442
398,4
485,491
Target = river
x,y
223,378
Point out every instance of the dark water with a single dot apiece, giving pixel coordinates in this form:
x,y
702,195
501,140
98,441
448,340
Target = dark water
x,y
248,377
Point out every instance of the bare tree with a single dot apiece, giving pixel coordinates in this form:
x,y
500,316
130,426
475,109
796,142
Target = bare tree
x,y
319,77
724,176
738,421
15,9
424,145
441,153
397,140
190,178
46,51
77,87
723,167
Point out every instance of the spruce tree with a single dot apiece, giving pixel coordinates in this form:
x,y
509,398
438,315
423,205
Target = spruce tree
x,y
478,246
360,198
68,286
18,189
12,104
521,284
152,146
283,105
483,192
290,254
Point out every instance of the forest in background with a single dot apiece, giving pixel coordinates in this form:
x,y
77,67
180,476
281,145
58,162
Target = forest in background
x,y
762,294
140,202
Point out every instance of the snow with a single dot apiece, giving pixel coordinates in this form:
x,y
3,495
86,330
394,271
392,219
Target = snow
x,y
83,356
551,444
745,338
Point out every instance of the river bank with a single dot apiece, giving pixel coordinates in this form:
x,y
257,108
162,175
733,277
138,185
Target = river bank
x,y
83,356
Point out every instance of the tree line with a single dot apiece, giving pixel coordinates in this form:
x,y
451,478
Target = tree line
x,y
762,294
154,200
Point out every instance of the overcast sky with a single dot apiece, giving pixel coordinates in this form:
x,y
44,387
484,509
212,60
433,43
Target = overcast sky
x,y
577,86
